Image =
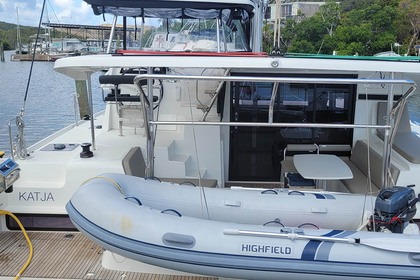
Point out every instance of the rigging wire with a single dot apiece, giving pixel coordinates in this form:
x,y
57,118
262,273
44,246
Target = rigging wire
x,y
33,54
52,8
202,192
21,144
369,178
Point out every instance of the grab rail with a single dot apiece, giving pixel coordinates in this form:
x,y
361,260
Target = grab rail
x,y
148,117
277,80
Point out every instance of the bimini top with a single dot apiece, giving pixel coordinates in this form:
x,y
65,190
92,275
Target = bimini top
x,y
152,8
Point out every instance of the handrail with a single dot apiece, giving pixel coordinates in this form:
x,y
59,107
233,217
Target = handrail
x,y
302,80
269,123
277,80
216,95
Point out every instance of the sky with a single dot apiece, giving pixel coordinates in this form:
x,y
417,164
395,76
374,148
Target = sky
x,y
56,11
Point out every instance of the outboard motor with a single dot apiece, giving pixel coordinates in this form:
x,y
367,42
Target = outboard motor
x,y
394,207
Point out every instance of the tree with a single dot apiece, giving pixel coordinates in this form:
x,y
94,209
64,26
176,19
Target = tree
x,y
353,39
8,34
411,9
6,45
348,5
312,34
303,46
288,35
330,15
365,27
268,35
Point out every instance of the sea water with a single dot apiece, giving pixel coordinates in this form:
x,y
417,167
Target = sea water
x,y
50,99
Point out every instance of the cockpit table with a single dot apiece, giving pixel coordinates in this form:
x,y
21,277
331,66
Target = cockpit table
x,y
322,167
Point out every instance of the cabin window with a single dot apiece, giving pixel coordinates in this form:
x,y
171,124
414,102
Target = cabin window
x,y
41,222
256,152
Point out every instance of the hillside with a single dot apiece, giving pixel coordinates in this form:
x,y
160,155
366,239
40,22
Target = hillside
x,y
8,34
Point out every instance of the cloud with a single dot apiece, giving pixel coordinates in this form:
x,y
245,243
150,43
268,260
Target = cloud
x,y
56,11
28,4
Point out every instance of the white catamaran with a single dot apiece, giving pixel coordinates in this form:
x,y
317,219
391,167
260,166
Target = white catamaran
x,y
216,159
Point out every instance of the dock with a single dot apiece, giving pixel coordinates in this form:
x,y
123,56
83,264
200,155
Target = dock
x,y
28,57
65,256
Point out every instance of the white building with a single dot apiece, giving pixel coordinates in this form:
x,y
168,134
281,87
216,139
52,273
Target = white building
x,y
290,9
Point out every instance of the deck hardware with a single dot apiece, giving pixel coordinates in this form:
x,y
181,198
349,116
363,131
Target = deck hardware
x,y
86,152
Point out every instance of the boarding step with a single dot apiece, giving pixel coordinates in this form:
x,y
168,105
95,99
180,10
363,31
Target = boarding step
x,y
169,164
193,173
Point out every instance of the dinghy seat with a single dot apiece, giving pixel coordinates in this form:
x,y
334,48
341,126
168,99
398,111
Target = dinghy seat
x,y
359,166
134,164
406,142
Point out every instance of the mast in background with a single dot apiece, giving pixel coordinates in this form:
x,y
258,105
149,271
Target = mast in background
x,y
18,39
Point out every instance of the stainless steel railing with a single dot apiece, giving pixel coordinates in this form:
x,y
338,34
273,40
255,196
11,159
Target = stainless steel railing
x,y
390,126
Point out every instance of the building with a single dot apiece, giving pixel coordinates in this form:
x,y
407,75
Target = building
x,y
289,9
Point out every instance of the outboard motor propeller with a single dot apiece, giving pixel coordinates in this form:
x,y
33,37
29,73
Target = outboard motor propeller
x,y
394,207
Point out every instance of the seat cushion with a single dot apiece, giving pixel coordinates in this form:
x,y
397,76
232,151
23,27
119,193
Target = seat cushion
x,y
296,180
359,183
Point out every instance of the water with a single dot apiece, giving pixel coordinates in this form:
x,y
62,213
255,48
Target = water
x,y
49,104
414,106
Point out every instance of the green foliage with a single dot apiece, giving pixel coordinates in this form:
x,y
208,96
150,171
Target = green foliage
x,y
267,38
7,26
6,45
8,34
354,27
350,27
353,39
302,46
410,10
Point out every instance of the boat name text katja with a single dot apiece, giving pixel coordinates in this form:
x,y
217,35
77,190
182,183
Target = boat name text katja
x,y
36,196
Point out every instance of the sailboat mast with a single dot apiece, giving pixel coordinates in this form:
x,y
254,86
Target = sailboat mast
x,y
18,39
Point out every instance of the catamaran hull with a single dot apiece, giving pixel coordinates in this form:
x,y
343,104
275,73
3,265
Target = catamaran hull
x,y
225,249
